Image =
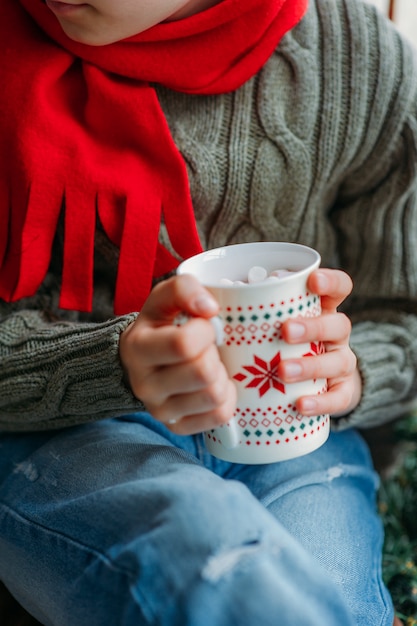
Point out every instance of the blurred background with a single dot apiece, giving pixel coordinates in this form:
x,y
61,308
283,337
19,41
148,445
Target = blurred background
x,y
404,15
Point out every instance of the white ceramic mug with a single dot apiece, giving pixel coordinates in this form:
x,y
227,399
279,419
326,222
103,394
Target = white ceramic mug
x,y
266,426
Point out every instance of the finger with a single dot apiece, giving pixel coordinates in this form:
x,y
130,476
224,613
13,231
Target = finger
x,y
193,425
336,400
179,293
333,286
330,328
211,399
335,364
202,421
182,378
168,345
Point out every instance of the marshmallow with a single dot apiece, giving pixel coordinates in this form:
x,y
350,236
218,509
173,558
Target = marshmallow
x,y
258,274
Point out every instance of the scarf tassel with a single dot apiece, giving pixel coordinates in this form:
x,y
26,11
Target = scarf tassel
x,y
78,259
140,214
28,229
4,219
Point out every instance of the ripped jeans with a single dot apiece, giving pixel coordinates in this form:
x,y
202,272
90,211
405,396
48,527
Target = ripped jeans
x,y
122,523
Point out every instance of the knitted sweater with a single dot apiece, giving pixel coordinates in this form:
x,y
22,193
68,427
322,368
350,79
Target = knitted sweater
x,y
319,148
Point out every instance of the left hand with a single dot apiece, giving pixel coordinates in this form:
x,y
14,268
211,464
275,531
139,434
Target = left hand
x,y
338,364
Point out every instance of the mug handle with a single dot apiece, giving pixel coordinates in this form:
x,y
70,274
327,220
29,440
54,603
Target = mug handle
x,y
229,432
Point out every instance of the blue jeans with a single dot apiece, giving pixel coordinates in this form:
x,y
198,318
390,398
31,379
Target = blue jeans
x,y
121,523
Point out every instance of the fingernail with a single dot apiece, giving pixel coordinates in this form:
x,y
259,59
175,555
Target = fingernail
x,y
205,304
309,405
296,330
292,370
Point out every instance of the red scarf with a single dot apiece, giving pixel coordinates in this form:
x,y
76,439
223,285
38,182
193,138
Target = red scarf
x,y
81,127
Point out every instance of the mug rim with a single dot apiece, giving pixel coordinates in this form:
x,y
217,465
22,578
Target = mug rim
x,y
222,252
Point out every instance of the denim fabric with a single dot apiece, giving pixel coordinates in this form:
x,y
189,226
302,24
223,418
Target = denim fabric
x,y
121,523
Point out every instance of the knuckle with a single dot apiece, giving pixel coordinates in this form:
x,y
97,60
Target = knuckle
x,y
215,394
220,416
346,324
340,396
130,343
224,412
175,283
159,287
183,286
346,394
353,360
181,343
187,342
165,412
140,390
347,282
322,326
319,326
347,363
205,371
143,388
180,427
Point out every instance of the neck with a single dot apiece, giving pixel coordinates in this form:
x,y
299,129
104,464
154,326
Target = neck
x,y
191,8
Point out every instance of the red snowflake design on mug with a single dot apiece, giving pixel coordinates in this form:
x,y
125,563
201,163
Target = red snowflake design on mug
x,y
316,349
264,375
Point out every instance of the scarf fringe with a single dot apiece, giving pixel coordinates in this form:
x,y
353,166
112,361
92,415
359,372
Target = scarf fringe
x,y
30,224
4,220
89,133
24,260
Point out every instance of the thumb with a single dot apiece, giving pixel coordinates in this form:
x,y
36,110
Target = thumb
x,y
180,294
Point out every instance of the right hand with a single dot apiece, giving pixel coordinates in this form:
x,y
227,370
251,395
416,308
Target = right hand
x,y
176,371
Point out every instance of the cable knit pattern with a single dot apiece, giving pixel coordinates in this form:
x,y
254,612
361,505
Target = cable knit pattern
x,y
320,148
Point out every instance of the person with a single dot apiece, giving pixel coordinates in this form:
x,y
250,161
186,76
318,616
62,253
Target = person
x,y
135,134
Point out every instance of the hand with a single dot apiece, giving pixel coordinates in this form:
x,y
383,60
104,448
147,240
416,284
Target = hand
x,y
338,363
176,370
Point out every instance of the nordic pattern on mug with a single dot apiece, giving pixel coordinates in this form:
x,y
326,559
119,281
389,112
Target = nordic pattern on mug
x,y
256,323
274,432
264,374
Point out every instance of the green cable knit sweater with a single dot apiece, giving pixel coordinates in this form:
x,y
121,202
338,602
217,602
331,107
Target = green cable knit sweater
x,y
320,148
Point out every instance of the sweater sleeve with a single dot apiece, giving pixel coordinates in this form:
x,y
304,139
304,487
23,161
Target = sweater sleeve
x,y
59,373
376,221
